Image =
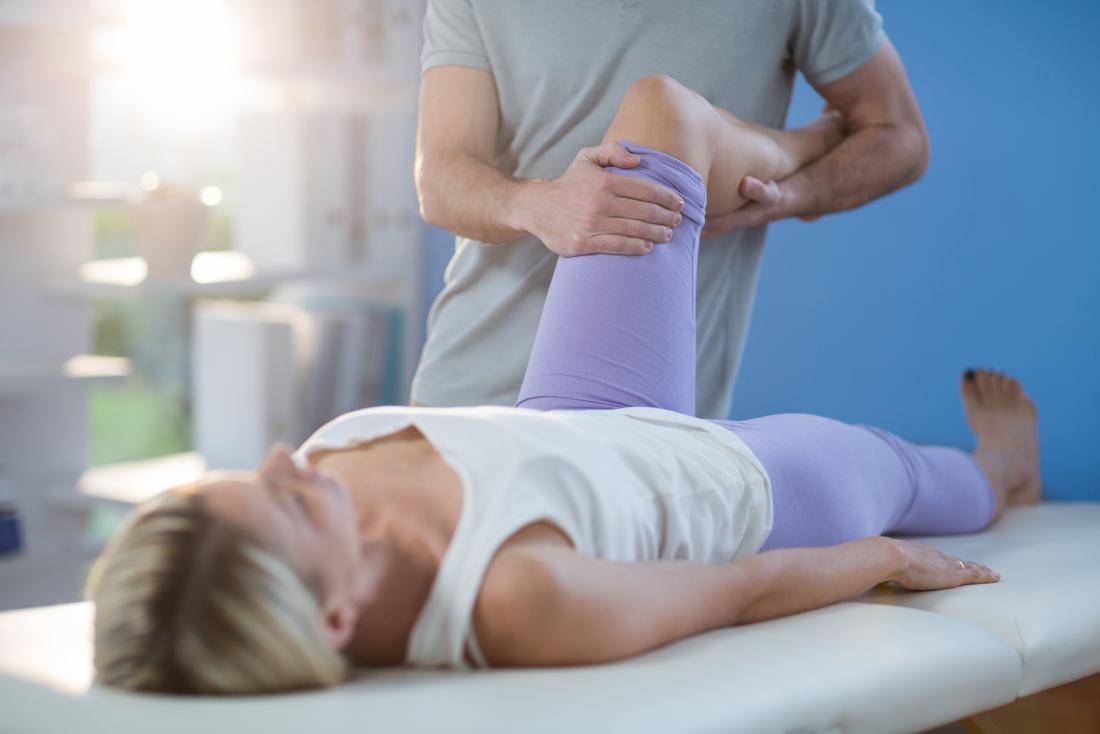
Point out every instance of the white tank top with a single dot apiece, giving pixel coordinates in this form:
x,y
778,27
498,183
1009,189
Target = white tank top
x,y
634,484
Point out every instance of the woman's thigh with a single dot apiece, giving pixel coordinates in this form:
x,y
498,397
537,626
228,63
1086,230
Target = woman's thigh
x,y
619,331
833,482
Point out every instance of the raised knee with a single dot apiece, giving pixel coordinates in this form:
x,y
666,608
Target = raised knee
x,y
660,95
656,86
662,113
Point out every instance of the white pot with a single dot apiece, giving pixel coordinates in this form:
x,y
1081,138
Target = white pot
x,y
168,234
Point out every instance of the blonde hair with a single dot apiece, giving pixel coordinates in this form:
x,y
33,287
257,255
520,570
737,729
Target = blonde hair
x,y
188,603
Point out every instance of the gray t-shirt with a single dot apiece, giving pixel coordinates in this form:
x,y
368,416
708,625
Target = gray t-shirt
x,y
561,67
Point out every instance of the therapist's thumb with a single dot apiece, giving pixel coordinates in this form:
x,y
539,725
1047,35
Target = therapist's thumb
x,y
762,192
613,154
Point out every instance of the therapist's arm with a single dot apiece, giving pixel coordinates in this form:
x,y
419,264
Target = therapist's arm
x,y
885,148
585,210
552,606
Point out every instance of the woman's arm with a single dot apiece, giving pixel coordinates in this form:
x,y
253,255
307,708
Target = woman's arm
x,y
549,605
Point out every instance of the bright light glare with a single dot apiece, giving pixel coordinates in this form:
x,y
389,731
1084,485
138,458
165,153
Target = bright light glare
x,y
179,59
127,271
221,266
95,365
211,196
149,181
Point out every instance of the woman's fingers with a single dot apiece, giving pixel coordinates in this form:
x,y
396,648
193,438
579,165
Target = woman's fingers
x,y
929,568
977,572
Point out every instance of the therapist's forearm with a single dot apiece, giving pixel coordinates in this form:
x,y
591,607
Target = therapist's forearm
x,y
470,198
870,162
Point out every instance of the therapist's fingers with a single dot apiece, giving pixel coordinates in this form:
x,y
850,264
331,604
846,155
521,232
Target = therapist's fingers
x,y
641,190
638,230
750,215
612,154
619,245
644,211
763,192
763,204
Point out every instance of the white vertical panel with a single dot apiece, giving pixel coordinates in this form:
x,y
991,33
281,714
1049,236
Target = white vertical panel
x,y
245,382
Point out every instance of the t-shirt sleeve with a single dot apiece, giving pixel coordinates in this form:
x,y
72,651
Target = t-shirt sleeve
x,y
452,36
833,38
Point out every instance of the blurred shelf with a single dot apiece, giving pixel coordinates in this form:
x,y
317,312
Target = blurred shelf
x,y
46,573
80,194
71,527
19,376
46,13
214,275
98,193
133,482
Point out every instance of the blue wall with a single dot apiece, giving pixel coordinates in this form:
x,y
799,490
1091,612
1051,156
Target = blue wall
x,y
990,260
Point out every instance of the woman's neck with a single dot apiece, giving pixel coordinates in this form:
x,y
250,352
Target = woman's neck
x,y
400,481
409,501
399,573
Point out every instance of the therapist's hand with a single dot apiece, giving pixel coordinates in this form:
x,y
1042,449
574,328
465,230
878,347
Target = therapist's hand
x,y
765,201
589,210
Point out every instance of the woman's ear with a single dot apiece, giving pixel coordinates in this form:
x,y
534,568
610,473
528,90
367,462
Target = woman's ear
x,y
340,619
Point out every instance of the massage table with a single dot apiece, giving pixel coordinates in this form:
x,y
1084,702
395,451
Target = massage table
x,y
887,661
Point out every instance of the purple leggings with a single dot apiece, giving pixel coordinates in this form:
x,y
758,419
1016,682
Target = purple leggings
x,y
619,331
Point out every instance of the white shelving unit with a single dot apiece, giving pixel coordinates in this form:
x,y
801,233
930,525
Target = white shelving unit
x,y
345,73
21,378
225,274
45,231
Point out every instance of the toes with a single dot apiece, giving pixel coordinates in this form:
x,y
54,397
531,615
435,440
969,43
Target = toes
x,y
1009,389
987,387
992,388
996,387
1000,386
969,386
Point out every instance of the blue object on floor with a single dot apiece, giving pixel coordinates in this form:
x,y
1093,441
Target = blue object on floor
x,y
10,540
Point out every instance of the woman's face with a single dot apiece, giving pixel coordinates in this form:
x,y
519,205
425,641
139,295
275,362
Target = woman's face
x,y
306,517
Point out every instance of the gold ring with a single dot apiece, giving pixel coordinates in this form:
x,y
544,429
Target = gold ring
x,y
962,565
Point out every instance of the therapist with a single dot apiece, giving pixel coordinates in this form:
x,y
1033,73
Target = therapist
x,y
513,96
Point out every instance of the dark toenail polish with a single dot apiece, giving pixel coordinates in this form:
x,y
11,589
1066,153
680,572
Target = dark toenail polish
x,y
969,375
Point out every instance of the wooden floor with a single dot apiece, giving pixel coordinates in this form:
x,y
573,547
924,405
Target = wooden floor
x,y
1073,708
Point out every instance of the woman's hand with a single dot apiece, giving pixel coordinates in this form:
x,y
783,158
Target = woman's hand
x,y
928,568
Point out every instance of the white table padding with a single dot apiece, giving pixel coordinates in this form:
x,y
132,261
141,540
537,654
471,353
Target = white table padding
x,y
849,667
886,662
1047,604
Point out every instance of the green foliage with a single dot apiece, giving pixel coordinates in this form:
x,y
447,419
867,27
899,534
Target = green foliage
x,y
135,421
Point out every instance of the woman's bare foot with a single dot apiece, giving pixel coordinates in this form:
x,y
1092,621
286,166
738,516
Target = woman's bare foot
x,y
1003,419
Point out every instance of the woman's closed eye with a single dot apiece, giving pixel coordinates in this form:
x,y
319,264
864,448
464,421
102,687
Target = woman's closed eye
x,y
300,502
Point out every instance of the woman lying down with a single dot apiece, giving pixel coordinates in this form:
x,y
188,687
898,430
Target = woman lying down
x,y
595,520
